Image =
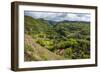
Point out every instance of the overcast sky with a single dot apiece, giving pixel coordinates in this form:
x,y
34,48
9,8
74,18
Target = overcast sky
x,y
59,16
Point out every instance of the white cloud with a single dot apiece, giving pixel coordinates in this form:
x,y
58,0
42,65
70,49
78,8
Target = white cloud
x,y
58,16
72,16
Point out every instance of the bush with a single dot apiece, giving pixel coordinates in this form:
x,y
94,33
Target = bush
x,y
68,53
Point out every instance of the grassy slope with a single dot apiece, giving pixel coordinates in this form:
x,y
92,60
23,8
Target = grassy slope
x,y
37,25
39,52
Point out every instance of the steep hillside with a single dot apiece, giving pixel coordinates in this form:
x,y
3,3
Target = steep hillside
x,y
38,25
34,51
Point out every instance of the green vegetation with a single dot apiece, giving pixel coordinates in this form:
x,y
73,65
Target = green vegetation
x,y
67,39
35,52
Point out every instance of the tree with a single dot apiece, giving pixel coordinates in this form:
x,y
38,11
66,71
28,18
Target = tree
x,y
72,43
68,53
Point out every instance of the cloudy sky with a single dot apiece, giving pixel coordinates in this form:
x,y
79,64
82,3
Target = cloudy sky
x,y
59,16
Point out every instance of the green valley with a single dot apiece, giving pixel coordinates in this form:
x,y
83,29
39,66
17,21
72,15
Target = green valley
x,y
51,40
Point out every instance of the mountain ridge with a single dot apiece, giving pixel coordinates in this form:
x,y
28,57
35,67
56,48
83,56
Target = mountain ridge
x,y
55,22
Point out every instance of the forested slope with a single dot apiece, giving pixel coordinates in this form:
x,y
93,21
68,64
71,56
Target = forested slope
x,y
69,39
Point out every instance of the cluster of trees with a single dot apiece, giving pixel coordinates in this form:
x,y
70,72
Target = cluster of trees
x,y
68,39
